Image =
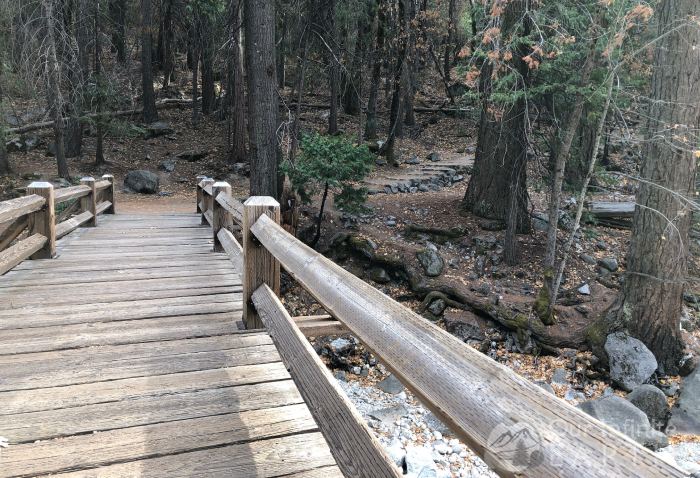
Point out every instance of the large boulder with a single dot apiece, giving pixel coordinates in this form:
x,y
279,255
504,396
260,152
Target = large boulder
x,y
159,128
652,402
685,415
625,418
631,362
142,181
193,155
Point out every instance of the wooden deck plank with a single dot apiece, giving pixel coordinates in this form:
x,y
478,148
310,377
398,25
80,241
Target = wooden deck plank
x,y
147,441
47,424
283,456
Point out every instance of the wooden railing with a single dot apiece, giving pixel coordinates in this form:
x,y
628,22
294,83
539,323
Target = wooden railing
x,y
35,213
516,426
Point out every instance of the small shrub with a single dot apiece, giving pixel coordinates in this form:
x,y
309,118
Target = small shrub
x,y
330,164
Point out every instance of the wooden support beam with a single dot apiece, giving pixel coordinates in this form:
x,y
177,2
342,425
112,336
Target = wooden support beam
x,y
234,207
89,202
232,248
13,231
73,192
205,199
110,194
319,325
221,218
482,401
355,449
43,221
14,208
260,266
199,179
70,225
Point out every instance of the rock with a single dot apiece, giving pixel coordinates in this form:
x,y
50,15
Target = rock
x,y
432,262
608,263
588,259
396,453
625,418
540,221
14,145
379,275
434,157
465,325
159,128
484,242
340,375
545,386
419,462
142,181
168,165
601,246
685,415
423,188
652,402
631,362
61,183
341,346
192,155
380,162
363,246
389,414
413,160
560,376
391,385
437,307
585,289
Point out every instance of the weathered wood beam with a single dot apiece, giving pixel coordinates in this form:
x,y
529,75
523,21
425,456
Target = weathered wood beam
x,y
14,208
70,225
43,221
13,231
66,194
15,254
89,202
355,449
233,206
481,400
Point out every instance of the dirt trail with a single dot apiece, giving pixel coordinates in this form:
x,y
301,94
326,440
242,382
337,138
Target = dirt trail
x,y
144,204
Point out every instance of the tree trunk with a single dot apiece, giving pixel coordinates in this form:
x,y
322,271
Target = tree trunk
x,y
450,40
371,120
301,76
53,89
195,83
501,150
118,16
168,47
333,67
207,59
236,86
657,259
150,114
563,144
409,73
280,52
99,150
262,96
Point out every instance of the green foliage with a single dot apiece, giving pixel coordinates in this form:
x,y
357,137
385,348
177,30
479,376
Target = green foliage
x,y
334,161
121,128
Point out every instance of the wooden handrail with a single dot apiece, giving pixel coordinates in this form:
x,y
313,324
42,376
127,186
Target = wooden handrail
x,y
66,194
233,206
485,403
14,208
36,212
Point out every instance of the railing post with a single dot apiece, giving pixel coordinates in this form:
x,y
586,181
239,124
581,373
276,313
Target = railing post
x,y
221,218
43,221
110,193
89,202
260,266
206,199
200,178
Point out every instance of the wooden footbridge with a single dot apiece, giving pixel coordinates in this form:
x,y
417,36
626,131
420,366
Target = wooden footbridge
x,y
157,346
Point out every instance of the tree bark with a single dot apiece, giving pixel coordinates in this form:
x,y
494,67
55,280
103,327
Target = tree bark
x,y
652,295
262,96
53,89
333,66
99,150
236,86
499,178
167,53
118,15
450,40
150,114
207,59
371,120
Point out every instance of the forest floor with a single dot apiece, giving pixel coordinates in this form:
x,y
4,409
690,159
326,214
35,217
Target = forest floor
x,y
474,260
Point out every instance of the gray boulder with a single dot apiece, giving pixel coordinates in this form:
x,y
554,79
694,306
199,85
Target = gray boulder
x,y
437,307
608,263
379,275
159,128
389,414
560,376
625,418
652,402
432,262
142,181
391,385
434,157
631,362
168,165
193,155
685,415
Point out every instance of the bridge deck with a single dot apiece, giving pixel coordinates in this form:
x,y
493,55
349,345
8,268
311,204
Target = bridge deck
x,y
122,358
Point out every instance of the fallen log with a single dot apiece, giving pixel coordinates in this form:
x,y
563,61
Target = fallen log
x,y
608,209
166,103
